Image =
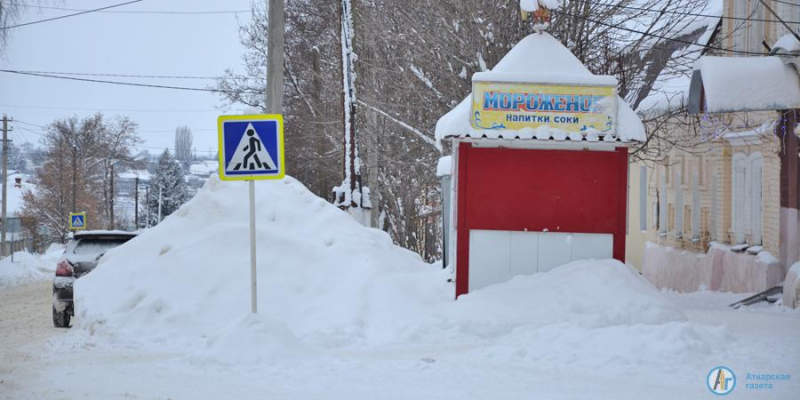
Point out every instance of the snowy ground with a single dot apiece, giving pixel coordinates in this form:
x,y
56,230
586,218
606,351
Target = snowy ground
x,y
345,314
28,267
41,362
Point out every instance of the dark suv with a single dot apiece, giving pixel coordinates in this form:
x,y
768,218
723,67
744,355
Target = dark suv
x,y
80,257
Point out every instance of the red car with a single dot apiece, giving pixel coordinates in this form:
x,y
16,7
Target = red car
x,y
80,257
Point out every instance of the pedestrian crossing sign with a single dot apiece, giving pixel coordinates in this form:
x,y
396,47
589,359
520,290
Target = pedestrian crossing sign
x,y
77,221
251,147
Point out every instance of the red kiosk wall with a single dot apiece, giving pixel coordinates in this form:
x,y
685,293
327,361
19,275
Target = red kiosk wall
x,y
556,190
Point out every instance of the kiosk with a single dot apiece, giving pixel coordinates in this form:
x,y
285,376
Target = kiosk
x,y
540,166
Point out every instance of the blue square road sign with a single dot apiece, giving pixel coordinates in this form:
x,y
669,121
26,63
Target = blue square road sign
x,y
77,221
251,147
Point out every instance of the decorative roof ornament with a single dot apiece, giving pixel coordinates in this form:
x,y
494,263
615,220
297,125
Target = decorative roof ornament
x,y
539,11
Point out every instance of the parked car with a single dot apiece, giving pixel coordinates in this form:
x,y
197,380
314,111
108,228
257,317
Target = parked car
x,y
80,257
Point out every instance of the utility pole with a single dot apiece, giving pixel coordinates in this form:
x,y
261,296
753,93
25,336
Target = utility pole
x,y
159,204
111,197
350,195
136,204
5,182
147,202
74,173
275,44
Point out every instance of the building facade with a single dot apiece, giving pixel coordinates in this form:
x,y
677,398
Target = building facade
x,y
710,212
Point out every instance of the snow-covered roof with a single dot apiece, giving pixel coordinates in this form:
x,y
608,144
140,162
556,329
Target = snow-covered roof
x,y
143,175
539,58
786,44
670,88
15,194
204,168
732,84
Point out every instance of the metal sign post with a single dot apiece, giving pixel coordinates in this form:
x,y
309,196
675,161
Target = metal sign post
x,y
251,149
253,285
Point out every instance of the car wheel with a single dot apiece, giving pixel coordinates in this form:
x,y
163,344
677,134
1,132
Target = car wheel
x,y
61,319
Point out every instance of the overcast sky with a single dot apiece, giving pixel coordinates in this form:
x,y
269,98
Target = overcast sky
x,y
124,43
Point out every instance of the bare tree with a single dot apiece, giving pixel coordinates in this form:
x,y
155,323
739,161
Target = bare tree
x,y
183,145
78,172
412,68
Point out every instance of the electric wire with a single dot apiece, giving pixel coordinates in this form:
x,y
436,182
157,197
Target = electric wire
x,y
143,11
70,15
148,85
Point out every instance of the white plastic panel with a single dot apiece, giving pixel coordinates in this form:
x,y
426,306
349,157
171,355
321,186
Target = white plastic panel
x,y
488,258
524,253
592,245
555,248
497,256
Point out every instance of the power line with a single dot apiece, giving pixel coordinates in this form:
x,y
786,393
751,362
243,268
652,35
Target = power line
x,y
693,14
131,110
124,75
139,131
786,2
708,46
148,85
28,123
145,11
70,15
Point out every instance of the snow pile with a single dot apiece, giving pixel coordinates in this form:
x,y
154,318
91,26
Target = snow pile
x,y
586,314
29,267
329,279
791,287
253,339
327,285
590,293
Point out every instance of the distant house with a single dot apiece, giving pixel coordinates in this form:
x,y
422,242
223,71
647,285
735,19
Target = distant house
x,y
204,169
18,185
713,210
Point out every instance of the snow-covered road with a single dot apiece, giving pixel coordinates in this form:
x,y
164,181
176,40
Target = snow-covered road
x,y
41,362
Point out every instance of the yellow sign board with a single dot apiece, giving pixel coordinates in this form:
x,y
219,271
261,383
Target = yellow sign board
x,y
518,106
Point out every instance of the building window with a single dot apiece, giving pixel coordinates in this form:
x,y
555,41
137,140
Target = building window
x,y
712,229
642,198
740,195
747,210
662,203
756,168
696,202
678,204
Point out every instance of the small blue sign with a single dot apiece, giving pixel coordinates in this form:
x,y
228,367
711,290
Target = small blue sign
x,y
251,147
77,221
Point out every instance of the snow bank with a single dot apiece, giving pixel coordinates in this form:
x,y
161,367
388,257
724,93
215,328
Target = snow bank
x,y
29,267
327,285
791,287
329,279
719,269
253,339
589,293
586,314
